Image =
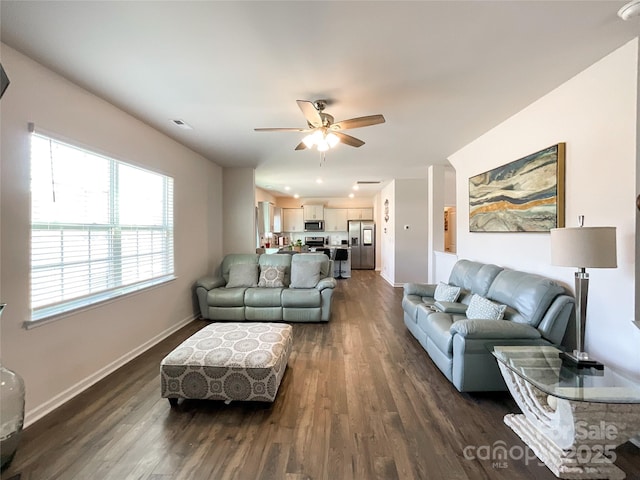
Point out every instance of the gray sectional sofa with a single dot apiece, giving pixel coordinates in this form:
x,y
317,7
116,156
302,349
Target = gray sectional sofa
x,y
536,311
269,287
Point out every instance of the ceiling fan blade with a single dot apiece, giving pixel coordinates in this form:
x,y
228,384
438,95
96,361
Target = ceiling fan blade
x,y
282,129
301,146
358,122
310,112
349,140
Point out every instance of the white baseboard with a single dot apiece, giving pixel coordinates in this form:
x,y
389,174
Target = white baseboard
x,y
390,282
40,411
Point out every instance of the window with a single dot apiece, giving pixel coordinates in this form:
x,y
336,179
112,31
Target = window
x,y
100,228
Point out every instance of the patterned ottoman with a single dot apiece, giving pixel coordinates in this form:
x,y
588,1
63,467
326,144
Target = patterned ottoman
x,y
228,361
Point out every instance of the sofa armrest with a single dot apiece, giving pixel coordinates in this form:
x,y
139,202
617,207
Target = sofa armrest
x,y
327,282
494,329
420,289
209,283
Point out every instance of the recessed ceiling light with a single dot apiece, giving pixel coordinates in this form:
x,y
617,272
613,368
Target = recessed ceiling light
x,y
296,196
356,187
287,188
318,180
351,195
181,124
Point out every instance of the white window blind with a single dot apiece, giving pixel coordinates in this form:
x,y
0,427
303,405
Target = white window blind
x,y
100,228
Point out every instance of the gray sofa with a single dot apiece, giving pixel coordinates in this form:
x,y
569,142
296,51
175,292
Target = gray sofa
x,y
537,312
306,299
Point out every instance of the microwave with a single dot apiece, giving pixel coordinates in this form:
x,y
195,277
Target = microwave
x,y
313,226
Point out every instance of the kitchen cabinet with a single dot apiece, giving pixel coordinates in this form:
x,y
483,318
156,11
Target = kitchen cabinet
x,y
269,218
335,219
360,214
292,220
313,212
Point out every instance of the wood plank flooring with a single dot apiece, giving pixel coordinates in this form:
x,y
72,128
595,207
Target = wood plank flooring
x,y
360,400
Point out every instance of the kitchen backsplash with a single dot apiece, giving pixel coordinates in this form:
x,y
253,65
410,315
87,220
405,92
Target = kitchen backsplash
x,y
335,238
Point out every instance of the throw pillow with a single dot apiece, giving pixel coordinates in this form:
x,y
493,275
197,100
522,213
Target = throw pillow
x,y
272,276
481,308
305,274
446,293
243,275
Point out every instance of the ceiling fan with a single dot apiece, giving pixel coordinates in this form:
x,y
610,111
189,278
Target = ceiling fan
x,y
323,132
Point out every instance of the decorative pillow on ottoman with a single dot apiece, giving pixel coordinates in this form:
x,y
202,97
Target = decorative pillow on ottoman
x,y
446,293
305,274
243,275
481,308
272,276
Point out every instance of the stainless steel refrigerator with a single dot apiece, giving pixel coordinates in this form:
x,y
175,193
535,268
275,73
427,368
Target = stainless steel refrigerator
x,y
362,240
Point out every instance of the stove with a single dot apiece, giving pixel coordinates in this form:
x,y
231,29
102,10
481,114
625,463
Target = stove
x,y
314,241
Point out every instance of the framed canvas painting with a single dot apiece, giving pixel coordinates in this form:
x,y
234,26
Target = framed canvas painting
x,y
526,195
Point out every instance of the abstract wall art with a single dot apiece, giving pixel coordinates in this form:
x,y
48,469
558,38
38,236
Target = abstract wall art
x,y
526,195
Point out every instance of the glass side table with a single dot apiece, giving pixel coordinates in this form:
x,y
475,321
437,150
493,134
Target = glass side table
x,y
572,419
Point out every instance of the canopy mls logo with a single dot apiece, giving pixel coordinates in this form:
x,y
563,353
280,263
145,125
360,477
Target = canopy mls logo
x,y
498,454
590,446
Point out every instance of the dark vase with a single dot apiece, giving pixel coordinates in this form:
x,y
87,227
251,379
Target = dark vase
x,y
11,412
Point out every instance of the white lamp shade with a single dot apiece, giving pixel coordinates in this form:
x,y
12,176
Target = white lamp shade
x,y
582,247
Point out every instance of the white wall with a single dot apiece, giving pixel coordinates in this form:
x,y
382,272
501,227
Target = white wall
x,y
239,207
59,359
387,233
595,113
264,196
411,246
404,252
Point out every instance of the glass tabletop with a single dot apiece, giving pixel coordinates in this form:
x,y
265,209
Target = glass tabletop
x,y
542,367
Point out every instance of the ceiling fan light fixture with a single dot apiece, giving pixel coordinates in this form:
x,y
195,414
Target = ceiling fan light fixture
x,y
322,146
631,9
332,139
309,141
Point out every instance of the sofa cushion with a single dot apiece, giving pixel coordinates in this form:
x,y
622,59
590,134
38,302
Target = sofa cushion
x,y
528,295
233,258
272,276
243,275
305,298
325,263
481,308
263,297
473,277
305,274
267,260
446,293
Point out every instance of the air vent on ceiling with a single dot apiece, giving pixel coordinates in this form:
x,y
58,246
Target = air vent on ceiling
x,y
368,182
182,124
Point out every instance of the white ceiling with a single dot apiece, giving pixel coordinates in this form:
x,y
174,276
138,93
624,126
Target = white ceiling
x,y
441,72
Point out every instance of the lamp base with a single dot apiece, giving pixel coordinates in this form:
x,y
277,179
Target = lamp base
x,y
576,362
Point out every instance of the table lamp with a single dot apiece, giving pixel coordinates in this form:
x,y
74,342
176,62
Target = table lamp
x,y
583,247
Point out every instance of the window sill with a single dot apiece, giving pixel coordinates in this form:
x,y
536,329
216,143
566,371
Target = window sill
x,y
54,314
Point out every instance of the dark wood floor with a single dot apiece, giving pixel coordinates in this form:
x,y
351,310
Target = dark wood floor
x,y
360,400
